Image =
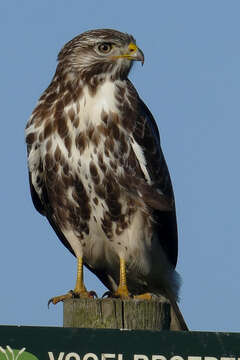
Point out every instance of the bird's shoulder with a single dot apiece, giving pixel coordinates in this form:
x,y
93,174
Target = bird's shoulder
x,y
144,138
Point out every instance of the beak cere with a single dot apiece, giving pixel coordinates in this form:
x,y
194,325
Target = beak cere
x,y
133,53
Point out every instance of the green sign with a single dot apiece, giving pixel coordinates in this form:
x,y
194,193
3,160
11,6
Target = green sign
x,y
46,343
14,354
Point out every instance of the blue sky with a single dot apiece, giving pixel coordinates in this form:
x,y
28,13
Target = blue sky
x,y
191,83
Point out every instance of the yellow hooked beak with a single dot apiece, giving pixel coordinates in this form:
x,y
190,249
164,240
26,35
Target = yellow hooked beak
x,y
133,53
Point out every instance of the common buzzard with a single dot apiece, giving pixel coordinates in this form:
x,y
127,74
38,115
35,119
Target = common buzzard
x,y
97,171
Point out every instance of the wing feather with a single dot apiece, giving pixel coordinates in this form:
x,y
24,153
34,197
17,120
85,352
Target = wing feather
x,y
159,193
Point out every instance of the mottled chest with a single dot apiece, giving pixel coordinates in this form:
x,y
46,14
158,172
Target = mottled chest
x,y
83,152
91,167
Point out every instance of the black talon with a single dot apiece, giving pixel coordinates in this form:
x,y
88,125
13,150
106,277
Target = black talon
x,y
93,294
74,295
49,302
108,294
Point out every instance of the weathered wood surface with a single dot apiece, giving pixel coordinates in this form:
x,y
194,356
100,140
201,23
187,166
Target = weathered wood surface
x,y
119,314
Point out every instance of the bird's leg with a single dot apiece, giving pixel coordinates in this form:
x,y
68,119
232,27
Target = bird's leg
x,y
80,289
122,290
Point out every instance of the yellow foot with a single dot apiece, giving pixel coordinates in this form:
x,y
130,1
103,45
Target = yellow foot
x,y
122,293
146,296
73,295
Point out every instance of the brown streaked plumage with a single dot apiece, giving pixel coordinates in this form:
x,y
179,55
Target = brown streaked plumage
x,y
97,171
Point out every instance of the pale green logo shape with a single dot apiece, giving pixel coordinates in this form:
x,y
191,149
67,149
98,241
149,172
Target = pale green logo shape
x,y
15,354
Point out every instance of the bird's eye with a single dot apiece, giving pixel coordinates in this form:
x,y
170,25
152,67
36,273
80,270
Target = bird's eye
x,y
105,48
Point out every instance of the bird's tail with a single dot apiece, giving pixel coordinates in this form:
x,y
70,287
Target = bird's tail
x,y
177,320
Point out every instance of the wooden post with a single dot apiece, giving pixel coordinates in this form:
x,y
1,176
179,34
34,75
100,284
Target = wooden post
x,y
119,314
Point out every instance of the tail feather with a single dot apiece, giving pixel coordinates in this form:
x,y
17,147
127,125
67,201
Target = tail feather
x,y
177,320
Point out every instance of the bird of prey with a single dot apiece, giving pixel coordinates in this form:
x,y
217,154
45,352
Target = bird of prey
x,y
97,171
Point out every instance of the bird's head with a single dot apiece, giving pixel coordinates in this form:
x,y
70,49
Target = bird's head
x,y
99,52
